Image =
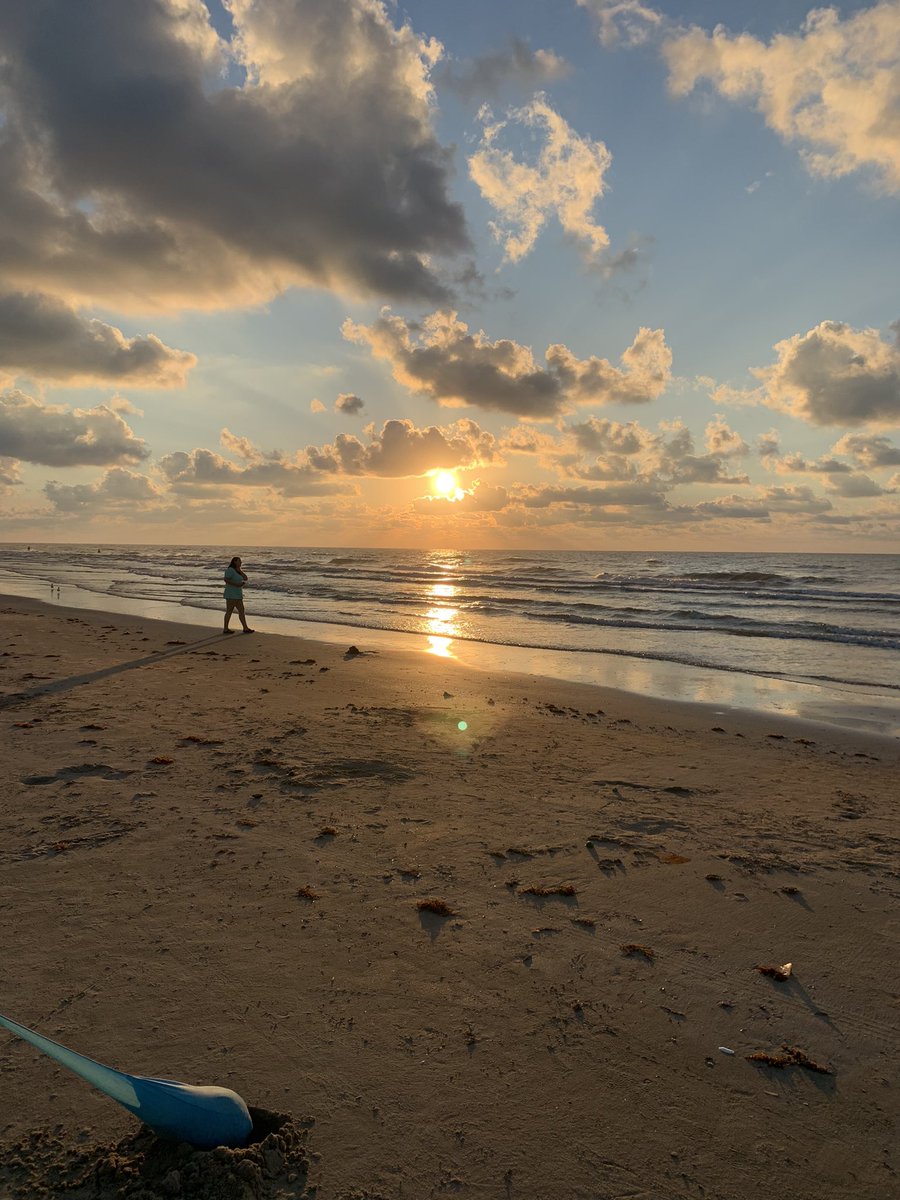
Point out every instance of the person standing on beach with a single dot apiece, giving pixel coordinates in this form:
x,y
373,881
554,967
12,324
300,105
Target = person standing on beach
x,y
234,596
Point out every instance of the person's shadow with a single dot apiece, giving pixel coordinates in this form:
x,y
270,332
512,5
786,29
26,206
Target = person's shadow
x,y
73,681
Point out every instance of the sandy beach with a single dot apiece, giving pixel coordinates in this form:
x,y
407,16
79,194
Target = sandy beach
x,y
213,854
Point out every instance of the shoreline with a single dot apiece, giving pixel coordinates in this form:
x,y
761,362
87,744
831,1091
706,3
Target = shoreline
x,y
212,855
720,690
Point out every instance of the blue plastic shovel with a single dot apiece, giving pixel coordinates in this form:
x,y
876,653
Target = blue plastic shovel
x,y
202,1116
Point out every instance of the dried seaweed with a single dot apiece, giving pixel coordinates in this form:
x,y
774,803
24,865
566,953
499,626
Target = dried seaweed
x,y
439,907
536,889
790,1056
635,948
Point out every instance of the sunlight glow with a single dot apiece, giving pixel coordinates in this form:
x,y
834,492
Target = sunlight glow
x,y
439,646
445,483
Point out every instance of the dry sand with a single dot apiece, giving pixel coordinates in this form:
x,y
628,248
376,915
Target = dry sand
x,y
211,858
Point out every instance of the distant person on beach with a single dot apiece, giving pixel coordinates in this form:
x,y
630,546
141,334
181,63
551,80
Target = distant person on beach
x,y
234,595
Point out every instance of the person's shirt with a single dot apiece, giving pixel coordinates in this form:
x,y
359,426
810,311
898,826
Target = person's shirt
x,y
232,579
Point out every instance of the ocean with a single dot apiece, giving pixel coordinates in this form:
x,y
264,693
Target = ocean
x,y
821,626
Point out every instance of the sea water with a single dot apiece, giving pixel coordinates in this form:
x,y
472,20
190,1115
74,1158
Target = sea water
x,y
823,625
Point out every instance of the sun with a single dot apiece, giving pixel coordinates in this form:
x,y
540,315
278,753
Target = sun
x,y
445,483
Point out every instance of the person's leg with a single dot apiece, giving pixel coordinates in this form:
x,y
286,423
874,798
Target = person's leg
x,y
229,609
239,605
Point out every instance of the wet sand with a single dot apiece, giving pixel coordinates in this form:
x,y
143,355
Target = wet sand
x,y
212,856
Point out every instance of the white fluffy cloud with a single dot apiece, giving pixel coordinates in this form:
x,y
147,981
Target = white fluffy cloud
x,y
55,436
400,449
197,472
566,181
869,451
116,489
835,375
441,359
133,175
665,458
832,88
42,337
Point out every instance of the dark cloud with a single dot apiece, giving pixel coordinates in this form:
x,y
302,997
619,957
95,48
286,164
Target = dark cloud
x,y
677,461
597,435
348,404
835,375
481,78
54,436
44,338
794,500
132,174
624,495
733,508
854,486
441,359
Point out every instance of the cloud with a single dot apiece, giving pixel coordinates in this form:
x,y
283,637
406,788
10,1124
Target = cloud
x,y
198,471
566,181
348,404
769,449
856,485
627,21
317,406
441,359
117,489
664,459
161,166
401,449
517,66
54,436
10,475
677,461
42,337
481,498
799,499
600,436
733,508
868,450
831,89
785,500
835,375
622,495
722,441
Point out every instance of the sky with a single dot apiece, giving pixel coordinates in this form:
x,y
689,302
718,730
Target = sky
x,y
577,274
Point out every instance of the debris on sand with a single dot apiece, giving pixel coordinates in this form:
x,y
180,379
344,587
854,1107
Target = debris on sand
x,y
632,948
440,908
783,972
536,889
790,1056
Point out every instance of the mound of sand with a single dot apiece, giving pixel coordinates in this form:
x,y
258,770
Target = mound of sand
x,y
141,1167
